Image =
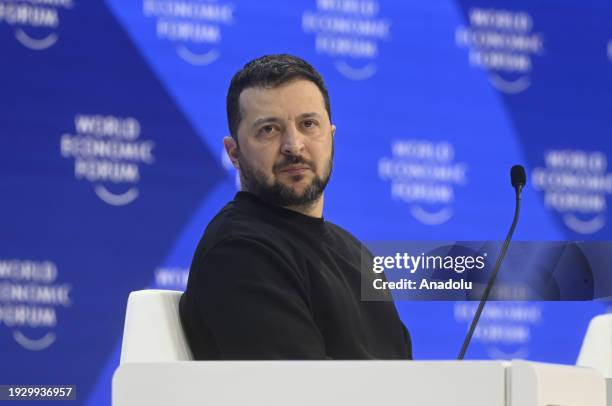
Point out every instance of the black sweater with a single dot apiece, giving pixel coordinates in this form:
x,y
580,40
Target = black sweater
x,y
270,283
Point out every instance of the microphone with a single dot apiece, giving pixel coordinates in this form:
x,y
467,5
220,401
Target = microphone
x,y
518,180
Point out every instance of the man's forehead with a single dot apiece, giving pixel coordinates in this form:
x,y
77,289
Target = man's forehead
x,y
298,95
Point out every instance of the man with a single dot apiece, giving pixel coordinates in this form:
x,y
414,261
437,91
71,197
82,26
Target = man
x,y
271,279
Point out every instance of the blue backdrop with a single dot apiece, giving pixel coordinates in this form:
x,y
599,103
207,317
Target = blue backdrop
x,y
111,163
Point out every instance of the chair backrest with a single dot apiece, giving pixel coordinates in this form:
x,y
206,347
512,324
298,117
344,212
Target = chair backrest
x,y
153,331
596,351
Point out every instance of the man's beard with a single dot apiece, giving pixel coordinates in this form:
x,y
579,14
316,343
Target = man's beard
x,y
254,181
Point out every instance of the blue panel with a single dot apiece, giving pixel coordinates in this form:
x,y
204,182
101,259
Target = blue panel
x,y
112,115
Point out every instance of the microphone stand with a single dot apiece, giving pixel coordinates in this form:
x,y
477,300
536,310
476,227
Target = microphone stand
x,y
500,258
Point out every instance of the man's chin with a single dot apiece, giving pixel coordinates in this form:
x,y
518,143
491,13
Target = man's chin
x,y
298,194
296,190
297,183
295,193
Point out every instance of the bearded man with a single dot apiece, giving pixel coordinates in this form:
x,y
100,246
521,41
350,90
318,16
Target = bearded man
x,y
270,278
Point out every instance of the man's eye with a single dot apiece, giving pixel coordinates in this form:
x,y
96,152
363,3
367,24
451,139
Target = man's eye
x,y
309,123
266,130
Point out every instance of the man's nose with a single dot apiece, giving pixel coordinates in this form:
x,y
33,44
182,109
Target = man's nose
x,y
292,142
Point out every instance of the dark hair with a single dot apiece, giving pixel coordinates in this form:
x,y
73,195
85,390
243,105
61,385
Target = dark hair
x,y
269,71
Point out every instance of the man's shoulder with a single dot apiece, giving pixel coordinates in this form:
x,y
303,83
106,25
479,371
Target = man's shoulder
x,y
242,245
234,225
231,222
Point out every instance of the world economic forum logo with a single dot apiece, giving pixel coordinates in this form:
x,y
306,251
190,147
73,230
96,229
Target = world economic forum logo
x,y
505,330
576,184
424,174
35,22
502,42
193,26
32,296
108,152
348,31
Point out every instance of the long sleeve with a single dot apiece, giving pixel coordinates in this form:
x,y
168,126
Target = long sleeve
x,y
247,302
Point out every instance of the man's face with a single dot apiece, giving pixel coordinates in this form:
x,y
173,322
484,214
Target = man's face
x,y
285,143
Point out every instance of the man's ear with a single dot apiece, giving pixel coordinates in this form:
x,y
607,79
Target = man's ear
x,y
231,148
333,130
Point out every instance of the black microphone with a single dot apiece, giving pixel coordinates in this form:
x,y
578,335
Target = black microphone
x,y
518,180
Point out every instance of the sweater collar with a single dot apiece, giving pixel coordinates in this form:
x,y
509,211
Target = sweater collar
x,y
252,200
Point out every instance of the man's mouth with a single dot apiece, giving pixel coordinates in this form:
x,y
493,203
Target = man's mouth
x,y
295,169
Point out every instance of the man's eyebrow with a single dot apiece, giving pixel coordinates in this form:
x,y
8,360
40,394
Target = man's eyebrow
x,y
264,120
310,115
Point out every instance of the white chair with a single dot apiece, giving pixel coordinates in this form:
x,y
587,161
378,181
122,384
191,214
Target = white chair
x,y
153,372
153,331
596,351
